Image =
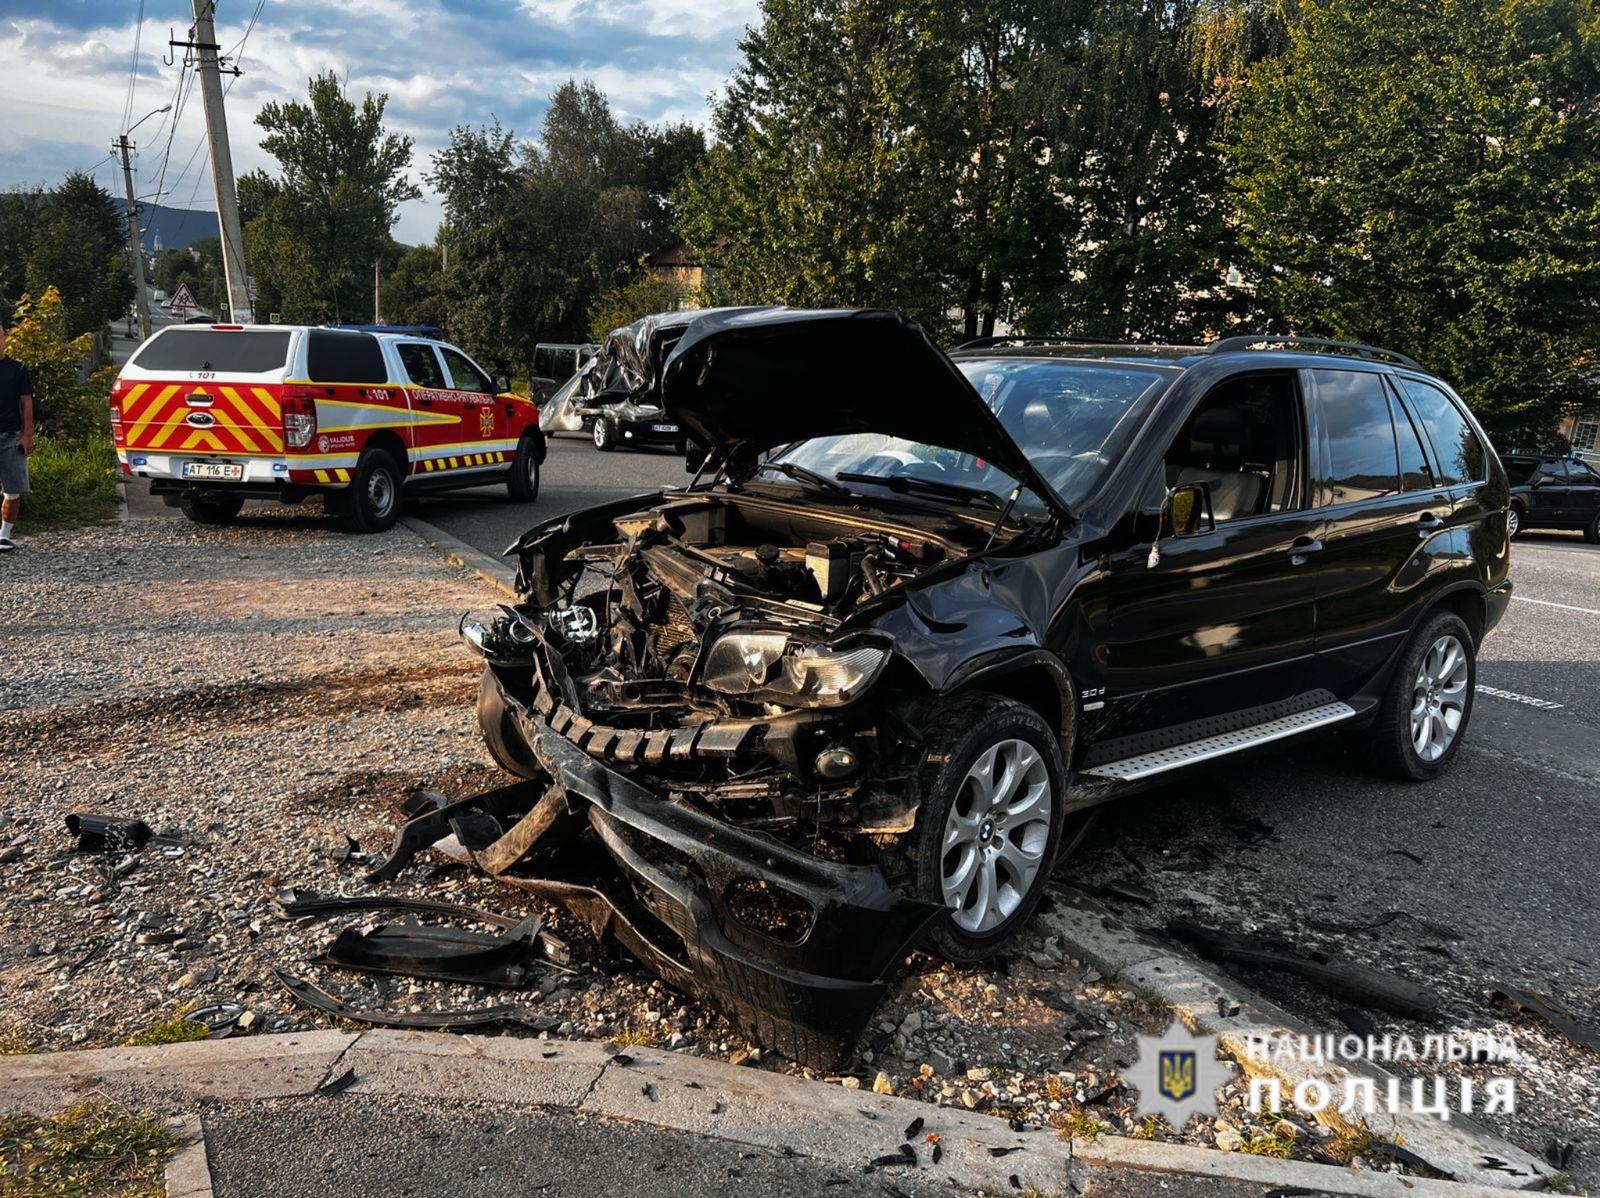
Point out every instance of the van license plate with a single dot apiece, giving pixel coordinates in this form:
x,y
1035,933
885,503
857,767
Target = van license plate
x,y
221,471
663,428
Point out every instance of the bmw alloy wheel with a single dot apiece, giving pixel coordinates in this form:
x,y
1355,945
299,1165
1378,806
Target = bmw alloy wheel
x,y
1513,522
1439,699
996,835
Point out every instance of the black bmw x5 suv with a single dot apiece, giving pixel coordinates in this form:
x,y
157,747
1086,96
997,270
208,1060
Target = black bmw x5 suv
x,y
848,691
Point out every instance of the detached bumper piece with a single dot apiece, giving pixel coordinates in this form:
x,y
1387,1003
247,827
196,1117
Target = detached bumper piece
x,y
794,949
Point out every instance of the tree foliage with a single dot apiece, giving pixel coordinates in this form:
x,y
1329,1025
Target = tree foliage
x,y
315,231
40,336
413,292
645,294
77,245
199,266
1424,173
536,231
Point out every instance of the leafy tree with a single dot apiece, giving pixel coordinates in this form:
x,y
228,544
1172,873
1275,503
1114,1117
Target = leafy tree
x,y
1423,173
78,248
413,292
315,231
40,336
20,209
643,295
200,267
537,231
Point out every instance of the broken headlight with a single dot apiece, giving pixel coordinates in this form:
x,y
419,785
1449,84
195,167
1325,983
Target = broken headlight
x,y
766,666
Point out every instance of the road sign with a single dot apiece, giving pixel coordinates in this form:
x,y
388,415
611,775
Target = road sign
x,y
182,298
274,318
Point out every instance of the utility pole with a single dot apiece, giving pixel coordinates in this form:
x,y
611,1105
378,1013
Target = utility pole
x,y
134,248
377,292
205,48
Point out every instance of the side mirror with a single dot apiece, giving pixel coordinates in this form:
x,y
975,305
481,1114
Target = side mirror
x,y
501,384
1186,512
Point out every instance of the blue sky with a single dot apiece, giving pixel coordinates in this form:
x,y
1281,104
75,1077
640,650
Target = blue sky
x,y
442,62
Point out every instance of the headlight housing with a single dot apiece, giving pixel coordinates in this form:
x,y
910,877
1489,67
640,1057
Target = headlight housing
x,y
768,666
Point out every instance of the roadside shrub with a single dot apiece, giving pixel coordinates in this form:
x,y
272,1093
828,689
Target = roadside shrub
x,y
74,482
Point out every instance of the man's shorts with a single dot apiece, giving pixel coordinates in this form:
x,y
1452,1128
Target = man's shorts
x,y
13,465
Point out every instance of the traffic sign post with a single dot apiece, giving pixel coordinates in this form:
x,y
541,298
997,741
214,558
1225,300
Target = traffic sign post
x,y
183,299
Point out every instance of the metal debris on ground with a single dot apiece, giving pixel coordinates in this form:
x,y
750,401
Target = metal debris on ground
x,y
107,833
315,996
1361,983
220,1019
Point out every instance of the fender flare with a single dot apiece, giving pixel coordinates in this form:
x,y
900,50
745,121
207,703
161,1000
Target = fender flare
x,y
996,665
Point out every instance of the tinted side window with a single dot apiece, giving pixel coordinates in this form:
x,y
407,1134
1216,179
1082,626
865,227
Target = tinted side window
x,y
1520,471
342,356
422,365
1583,474
1415,473
464,376
1460,453
1355,415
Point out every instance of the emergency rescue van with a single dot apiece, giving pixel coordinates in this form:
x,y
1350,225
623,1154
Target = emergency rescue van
x,y
218,414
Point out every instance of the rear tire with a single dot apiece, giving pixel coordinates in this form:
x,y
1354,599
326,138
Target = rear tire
x,y
212,509
372,501
1514,521
986,849
1592,532
1423,717
523,485
605,435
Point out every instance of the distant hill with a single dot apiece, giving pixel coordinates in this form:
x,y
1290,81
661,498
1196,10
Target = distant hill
x,y
178,228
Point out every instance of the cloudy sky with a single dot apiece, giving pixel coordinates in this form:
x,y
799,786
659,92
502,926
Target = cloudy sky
x,y
67,66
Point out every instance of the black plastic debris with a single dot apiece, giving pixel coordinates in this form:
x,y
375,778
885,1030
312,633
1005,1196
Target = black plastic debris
x,y
107,833
1361,983
337,1086
316,997
904,1156
297,902
913,1127
1005,1151
445,954
1526,1002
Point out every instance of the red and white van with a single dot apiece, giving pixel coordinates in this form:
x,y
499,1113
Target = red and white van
x,y
216,414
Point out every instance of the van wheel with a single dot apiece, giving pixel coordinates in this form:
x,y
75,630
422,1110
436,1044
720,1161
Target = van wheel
x,y
523,485
989,827
1425,711
1513,521
212,509
372,502
605,436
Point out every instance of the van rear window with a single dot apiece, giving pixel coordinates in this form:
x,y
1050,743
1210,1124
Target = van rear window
x,y
344,356
232,352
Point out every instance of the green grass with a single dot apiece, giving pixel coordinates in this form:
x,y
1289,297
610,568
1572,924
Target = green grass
x,y
168,1031
90,1149
74,483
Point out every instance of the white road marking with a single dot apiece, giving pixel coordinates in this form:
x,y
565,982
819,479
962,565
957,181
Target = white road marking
x,y
1526,700
1588,611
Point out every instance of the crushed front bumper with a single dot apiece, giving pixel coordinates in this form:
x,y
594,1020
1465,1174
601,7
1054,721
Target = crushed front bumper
x,y
806,992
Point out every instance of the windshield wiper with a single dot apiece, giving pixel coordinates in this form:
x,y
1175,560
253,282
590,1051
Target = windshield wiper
x,y
905,484
805,474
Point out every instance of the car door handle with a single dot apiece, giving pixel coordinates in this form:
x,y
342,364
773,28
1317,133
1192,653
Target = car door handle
x,y
1429,523
1300,546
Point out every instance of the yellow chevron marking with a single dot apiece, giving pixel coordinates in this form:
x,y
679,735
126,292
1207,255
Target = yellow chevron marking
x,y
131,398
269,402
151,411
342,475
322,476
201,438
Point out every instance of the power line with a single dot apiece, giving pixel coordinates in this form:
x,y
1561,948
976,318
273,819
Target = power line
x,y
133,67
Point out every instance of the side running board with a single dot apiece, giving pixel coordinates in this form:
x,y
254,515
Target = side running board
x,y
1160,761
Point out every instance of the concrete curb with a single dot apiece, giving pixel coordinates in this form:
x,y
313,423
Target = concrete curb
x,y
188,1174
492,570
764,1111
1460,1148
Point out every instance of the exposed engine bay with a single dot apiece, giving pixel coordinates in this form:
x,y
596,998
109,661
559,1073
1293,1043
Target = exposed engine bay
x,y
709,640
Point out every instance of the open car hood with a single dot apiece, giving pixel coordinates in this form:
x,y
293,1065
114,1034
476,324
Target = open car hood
x,y
744,381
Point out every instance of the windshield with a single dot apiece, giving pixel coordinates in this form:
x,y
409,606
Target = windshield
x,y
1072,419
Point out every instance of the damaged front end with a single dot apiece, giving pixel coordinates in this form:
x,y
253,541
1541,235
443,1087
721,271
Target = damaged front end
x,y
695,679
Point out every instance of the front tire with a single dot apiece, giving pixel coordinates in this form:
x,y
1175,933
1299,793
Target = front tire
x,y
523,485
1592,532
989,827
1423,717
372,502
605,434
1514,521
212,509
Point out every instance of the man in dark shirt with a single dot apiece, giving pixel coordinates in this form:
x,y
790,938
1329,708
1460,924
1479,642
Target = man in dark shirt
x,y
16,440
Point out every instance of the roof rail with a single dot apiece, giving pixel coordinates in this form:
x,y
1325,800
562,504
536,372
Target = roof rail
x,y
1085,342
1230,345
404,330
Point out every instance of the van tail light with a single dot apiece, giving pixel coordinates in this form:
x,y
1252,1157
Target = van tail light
x,y
119,390
299,417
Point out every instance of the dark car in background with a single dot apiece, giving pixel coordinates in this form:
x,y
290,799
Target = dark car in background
x,y
1548,491
844,696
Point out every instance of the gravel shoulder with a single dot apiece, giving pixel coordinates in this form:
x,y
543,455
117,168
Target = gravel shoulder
x,y
265,697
